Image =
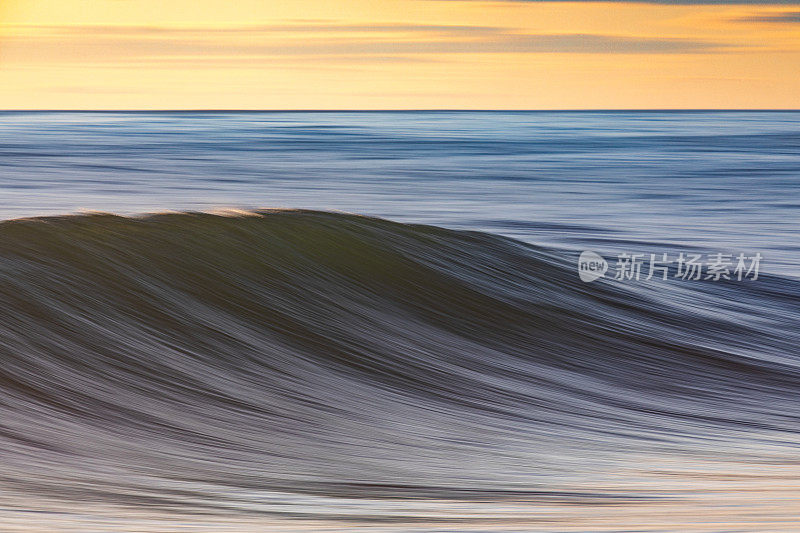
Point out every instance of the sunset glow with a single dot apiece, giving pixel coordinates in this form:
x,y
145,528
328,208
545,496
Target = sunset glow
x,y
396,54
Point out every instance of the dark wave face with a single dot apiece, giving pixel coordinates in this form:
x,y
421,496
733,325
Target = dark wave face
x,y
336,367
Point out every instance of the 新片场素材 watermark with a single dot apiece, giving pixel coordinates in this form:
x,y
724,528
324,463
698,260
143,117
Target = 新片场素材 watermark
x,y
686,266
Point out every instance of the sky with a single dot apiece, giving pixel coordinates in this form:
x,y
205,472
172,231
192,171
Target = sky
x,y
398,54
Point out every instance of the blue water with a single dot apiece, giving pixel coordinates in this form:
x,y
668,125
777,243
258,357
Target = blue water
x,y
610,181
238,373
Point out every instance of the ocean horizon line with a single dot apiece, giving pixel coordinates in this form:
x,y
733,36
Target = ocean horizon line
x,y
430,110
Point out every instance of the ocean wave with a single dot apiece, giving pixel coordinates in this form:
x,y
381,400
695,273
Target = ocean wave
x,y
196,360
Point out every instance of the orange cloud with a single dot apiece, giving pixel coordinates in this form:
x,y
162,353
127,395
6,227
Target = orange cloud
x,y
396,54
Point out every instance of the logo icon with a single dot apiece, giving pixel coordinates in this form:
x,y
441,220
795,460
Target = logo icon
x,y
591,266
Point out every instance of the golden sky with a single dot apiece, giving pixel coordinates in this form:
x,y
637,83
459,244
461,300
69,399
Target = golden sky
x,y
397,54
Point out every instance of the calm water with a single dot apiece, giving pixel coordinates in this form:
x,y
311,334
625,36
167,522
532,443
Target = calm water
x,y
721,181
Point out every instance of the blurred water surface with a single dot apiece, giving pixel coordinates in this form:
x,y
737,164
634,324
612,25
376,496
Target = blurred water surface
x,y
298,370
612,181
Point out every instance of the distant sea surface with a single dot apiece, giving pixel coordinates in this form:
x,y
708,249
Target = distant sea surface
x,y
435,366
720,181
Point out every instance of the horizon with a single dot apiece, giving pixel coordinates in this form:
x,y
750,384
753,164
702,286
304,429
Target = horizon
x,y
432,110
